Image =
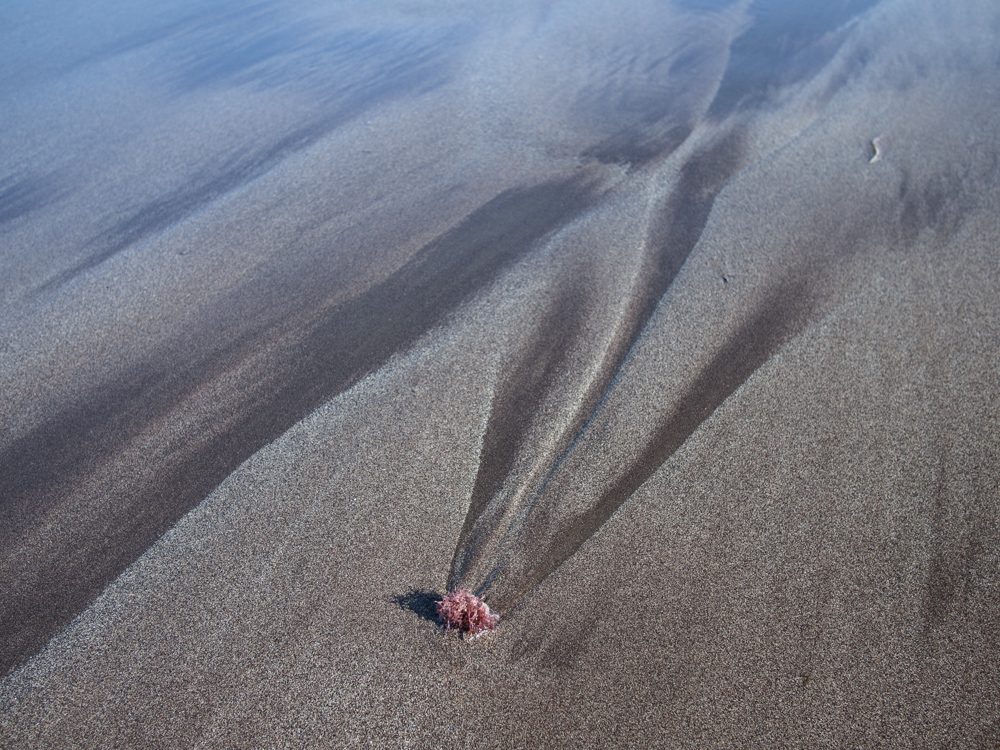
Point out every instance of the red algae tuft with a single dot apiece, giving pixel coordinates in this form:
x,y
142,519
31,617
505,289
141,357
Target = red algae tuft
x,y
463,610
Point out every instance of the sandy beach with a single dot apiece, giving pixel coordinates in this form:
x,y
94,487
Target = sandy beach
x,y
672,329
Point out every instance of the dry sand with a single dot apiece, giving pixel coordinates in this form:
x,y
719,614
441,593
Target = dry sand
x,y
604,311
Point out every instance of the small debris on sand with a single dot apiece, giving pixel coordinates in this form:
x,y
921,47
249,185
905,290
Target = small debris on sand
x,y
876,150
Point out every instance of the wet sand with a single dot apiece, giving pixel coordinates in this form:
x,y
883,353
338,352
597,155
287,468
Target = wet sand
x,y
608,313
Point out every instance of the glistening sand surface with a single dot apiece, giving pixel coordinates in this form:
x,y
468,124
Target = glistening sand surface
x,y
308,314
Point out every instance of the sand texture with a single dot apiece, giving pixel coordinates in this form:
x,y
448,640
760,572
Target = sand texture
x,y
671,328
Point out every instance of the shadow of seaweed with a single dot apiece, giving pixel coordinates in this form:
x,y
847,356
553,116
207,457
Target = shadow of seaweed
x,y
421,602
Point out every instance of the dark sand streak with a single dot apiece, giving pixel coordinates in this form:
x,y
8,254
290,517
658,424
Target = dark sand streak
x,y
19,196
344,344
672,238
371,76
786,44
752,74
514,408
206,188
778,319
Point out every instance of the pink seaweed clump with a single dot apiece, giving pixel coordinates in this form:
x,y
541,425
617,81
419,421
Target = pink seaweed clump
x,y
463,610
